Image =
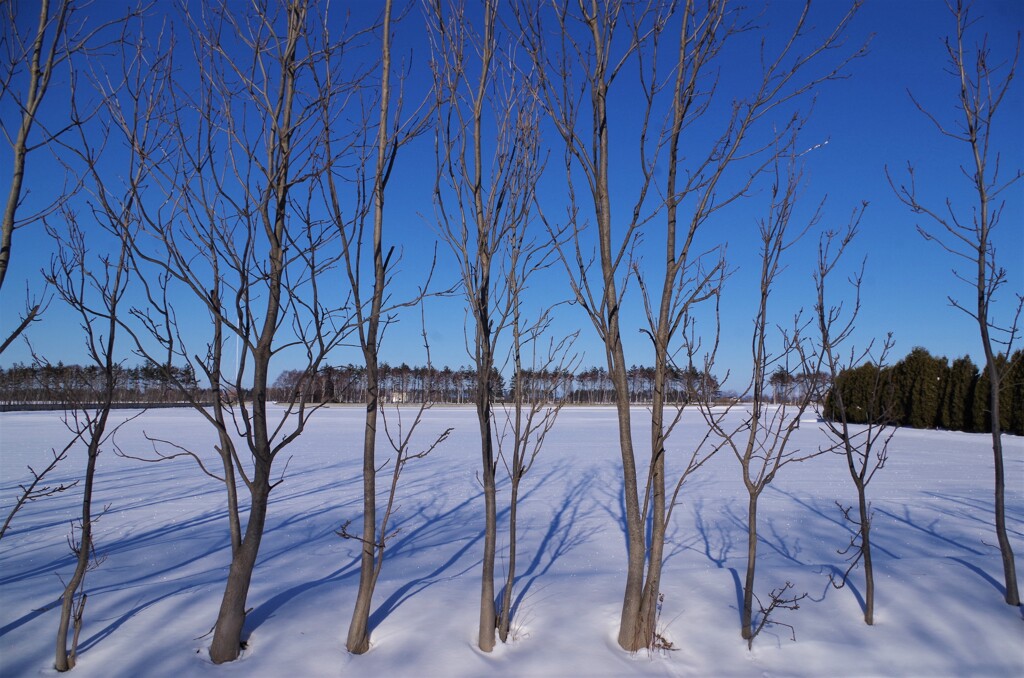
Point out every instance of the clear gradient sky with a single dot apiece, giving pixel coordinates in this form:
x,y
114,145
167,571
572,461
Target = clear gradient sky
x,y
868,121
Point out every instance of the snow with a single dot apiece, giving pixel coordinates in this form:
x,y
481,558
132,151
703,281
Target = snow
x,y
152,601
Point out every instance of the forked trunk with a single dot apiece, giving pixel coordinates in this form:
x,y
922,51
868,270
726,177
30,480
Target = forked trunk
x,y
647,627
227,633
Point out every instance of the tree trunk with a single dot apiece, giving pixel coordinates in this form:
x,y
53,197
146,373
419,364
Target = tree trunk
x,y
865,549
230,484
747,630
227,634
226,444
1009,568
63,660
652,585
358,631
488,616
505,619
646,628
631,636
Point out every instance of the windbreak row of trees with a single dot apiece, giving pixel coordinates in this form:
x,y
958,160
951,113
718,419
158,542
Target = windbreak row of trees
x,y
155,384
926,391
425,383
70,384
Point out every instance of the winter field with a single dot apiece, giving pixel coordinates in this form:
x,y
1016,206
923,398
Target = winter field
x,y
939,608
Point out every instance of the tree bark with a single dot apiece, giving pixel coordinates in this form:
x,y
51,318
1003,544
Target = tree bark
x,y
358,640
227,635
1012,595
505,619
746,622
865,549
488,617
63,660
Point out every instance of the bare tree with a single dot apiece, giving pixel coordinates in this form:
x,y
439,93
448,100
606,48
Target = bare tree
x,y
372,151
967,233
94,286
598,41
400,436
228,225
864,448
538,396
541,363
94,289
488,164
761,441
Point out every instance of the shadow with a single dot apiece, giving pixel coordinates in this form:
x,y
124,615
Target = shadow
x,y
837,575
26,618
929,529
716,547
981,573
415,586
439,524
774,540
266,610
738,585
110,628
973,509
562,536
834,516
779,544
615,507
107,549
435,522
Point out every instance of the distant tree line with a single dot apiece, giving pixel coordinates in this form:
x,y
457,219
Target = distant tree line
x,y
414,384
78,385
926,391
156,384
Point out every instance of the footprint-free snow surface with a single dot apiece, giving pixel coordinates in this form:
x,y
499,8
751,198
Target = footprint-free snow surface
x,y
163,541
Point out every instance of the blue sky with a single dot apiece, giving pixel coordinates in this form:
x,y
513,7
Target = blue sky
x,y
868,120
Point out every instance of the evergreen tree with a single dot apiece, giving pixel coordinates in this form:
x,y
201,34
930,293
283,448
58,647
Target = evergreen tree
x,y
982,418
849,384
919,379
958,395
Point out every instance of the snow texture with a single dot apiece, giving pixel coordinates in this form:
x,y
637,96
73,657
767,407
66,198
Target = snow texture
x,y
164,537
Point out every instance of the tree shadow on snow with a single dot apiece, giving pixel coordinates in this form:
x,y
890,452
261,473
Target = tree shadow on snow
x,y
436,523
716,542
973,509
563,535
832,514
266,609
445,528
929,528
996,584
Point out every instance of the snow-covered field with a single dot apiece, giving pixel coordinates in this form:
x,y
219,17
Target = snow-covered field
x,y
939,608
